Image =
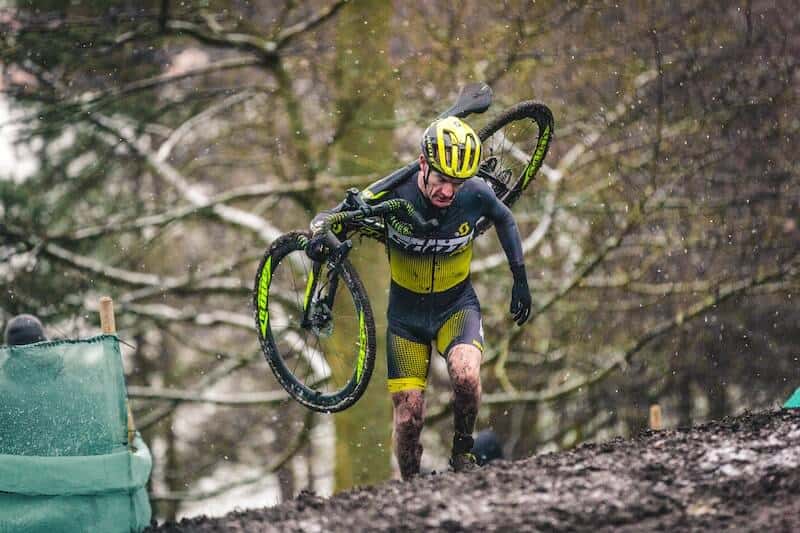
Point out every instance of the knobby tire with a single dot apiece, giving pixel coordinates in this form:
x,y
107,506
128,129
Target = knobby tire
x,y
527,112
311,395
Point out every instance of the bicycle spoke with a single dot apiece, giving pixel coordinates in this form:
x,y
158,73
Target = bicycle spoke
x,y
294,285
320,356
293,352
316,347
513,149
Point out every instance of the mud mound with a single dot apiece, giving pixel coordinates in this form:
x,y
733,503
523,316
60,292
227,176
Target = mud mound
x,y
739,473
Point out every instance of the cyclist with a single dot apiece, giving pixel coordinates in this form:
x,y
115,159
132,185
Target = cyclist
x,y
431,299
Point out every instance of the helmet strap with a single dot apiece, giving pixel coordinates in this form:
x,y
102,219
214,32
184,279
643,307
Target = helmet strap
x,y
426,176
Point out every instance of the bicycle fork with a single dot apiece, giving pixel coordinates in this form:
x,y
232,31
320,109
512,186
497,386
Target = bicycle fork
x,y
319,298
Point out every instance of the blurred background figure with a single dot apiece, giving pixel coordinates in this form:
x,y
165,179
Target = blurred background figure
x,y
487,447
23,329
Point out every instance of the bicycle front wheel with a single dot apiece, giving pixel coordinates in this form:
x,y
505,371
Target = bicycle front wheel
x,y
518,138
324,363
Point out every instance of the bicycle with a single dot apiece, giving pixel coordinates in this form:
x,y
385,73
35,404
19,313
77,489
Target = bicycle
x,y
296,321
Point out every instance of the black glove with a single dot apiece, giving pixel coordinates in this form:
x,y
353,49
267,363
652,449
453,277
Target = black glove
x,y
520,295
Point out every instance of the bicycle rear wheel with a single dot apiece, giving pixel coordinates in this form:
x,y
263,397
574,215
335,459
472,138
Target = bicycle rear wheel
x,y
325,366
518,138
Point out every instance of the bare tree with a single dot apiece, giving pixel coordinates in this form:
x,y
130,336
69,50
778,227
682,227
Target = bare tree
x,y
661,237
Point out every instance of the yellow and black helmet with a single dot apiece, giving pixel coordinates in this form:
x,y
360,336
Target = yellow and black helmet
x,y
452,148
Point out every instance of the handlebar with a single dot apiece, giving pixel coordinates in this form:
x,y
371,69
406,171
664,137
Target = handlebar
x,y
356,209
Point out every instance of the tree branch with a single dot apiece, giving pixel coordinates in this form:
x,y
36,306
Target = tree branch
x,y
285,36
258,225
90,100
127,277
265,49
246,192
293,447
165,150
624,358
235,400
223,370
189,314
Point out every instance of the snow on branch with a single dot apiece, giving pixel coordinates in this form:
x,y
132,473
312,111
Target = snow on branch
x,y
91,99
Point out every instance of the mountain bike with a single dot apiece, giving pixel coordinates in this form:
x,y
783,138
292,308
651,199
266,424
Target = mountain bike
x,y
300,303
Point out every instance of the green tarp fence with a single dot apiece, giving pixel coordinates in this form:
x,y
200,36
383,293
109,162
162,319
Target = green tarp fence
x,y
794,400
65,463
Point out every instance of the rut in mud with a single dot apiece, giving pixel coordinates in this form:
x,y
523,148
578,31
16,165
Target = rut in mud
x,y
741,472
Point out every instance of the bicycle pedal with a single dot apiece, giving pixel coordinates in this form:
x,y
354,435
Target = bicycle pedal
x,y
504,176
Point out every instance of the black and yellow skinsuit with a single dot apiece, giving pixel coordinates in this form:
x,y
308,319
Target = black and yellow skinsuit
x,y
431,297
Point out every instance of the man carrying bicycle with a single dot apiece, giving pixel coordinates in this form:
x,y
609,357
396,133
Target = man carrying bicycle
x,y
431,299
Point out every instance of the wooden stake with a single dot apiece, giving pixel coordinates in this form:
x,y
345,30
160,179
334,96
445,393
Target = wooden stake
x,y
109,326
107,323
655,417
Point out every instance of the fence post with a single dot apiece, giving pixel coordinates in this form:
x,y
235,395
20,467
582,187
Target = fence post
x,y
107,322
655,417
109,327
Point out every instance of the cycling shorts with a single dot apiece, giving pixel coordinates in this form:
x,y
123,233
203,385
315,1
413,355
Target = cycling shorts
x,y
417,320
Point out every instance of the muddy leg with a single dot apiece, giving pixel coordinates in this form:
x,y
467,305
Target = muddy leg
x,y
464,365
409,413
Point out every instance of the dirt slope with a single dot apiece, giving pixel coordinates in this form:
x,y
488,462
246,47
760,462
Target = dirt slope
x,y
740,473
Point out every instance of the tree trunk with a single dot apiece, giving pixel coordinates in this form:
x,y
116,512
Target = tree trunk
x,y
365,103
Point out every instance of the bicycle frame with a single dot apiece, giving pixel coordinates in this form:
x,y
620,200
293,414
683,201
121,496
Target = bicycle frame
x,y
364,220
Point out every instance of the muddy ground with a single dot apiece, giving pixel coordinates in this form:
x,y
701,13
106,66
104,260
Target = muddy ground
x,y
740,473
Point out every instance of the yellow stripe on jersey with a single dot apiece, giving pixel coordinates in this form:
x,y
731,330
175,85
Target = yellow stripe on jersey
x,y
452,269
452,328
416,273
403,384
